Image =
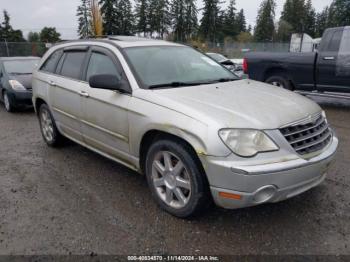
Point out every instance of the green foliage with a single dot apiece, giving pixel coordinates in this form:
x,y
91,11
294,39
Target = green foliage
x,y
7,32
33,37
339,13
141,13
184,19
49,35
84,19
241,21
210,21
265,28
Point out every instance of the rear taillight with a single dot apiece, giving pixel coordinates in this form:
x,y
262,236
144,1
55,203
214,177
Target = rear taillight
x,y
245,66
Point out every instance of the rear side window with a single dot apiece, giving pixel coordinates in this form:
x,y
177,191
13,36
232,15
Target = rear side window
x,y
72,64
334,43
50,63
101,64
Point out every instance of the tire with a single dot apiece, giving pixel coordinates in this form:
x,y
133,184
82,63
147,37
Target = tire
x,y
9,106
182,192
280,80
48,127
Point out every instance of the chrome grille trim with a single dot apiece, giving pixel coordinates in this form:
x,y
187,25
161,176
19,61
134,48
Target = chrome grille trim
x,y
309,137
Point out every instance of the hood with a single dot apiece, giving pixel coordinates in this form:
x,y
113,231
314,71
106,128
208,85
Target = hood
x,y
25,80
239,104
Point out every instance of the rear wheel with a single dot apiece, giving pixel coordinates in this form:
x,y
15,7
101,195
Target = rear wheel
x,y
8,103
176,180
280,80
48,127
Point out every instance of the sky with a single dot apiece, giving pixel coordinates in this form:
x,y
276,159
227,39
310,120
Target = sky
x,y
32,15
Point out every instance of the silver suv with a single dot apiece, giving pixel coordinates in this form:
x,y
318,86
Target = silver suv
x,y
191,126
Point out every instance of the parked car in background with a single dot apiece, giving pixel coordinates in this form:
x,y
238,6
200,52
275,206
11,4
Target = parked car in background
x,y
231,64
193,128
328,69
16,81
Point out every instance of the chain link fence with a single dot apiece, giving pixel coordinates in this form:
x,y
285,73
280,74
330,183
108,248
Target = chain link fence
x,y
237,50
22,49
231,50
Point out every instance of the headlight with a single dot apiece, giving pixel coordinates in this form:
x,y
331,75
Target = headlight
x,y
247,142
16,85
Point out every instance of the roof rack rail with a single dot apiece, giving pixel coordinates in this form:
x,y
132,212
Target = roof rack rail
x,y
128,38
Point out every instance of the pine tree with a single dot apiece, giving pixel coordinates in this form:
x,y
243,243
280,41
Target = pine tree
x,y
84,19
230,27
141,12
7,32
209,21
310,19
294,13
265,28
125,18
109,15
184,19
33,37
241,22
339,13
321,22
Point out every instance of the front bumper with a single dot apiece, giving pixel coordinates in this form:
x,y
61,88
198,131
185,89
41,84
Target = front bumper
x,y
235,186
21,98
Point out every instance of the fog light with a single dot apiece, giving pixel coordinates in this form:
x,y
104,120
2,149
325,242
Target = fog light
x,y
264,194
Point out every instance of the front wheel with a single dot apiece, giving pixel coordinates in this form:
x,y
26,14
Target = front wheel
x,y
280,81
175,178
8,103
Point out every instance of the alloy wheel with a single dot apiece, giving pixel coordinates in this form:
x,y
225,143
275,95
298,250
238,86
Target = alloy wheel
x,y
171,179
46,125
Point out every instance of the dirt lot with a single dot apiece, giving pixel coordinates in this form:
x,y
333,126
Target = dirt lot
x,y
73,201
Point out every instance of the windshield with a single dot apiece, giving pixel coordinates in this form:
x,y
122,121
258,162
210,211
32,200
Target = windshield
x,y
175,66
20,66
217,57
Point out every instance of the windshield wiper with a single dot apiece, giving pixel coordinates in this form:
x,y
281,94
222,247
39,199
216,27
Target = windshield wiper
x,y
228,79
17,73
175,84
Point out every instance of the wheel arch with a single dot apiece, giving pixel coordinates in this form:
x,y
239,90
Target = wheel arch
x,y
153,135
278,71
38,102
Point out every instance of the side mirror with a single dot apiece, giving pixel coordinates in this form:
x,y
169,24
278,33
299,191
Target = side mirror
x,y
109,82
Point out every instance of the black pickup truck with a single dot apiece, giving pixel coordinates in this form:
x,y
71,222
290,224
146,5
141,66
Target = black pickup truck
x,y
325,70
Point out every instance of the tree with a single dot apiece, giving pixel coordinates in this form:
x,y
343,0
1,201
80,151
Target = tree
x,y
33,37
184,19
241,22
245,37
84,19
339,13
284,31
141,12
49,35
125,18
265,28
230,27
321,22
110,16
209,22
7,32
310,19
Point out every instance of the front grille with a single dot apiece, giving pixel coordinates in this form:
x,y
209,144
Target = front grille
x,y
310,137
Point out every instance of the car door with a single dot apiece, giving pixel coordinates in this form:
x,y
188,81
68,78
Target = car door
x,y
67,86
326,78
343,62
105,123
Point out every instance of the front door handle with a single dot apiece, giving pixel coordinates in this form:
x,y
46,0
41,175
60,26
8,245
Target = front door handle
x,y
84,94
328,58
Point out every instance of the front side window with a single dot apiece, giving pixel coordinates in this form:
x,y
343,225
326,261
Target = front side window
x,y
334,43
101,64
51,62
20,67
175,65
72,64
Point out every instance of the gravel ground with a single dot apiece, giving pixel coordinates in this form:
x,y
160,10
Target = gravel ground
x,y
73,201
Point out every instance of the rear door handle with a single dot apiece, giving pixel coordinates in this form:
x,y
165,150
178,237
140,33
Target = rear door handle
x,y
84,94
328,58
52,83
